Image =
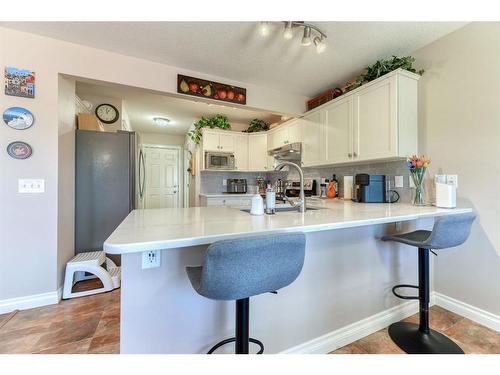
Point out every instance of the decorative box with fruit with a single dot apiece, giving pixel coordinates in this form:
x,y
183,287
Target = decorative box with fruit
x,y
211,90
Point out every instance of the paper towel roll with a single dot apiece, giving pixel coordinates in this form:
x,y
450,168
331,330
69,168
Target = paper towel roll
x,y
348,182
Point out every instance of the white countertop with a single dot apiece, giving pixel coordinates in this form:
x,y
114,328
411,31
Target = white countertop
x,y
166,228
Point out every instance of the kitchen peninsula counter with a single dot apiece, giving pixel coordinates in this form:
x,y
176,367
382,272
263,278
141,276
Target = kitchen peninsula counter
x,y
158,229
346,280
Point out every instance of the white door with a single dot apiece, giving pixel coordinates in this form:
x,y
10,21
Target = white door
x,y
257,152
339,119
314,142
375,121
241,152
162,177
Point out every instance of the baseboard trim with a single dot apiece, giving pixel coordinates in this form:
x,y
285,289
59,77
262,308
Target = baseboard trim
x,y
355,331
473,313
29,302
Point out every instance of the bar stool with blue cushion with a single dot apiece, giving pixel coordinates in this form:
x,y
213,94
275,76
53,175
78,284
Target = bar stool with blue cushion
x,y
448,231
241,268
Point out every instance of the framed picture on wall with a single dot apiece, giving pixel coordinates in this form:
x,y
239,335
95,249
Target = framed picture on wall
x,y
19,82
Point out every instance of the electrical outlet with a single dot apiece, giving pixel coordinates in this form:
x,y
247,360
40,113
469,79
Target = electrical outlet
x,y
452,179
224,182
30,185
398,181
411,184
151,259
398,226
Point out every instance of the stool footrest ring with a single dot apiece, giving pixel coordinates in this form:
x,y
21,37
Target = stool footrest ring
x,y
404,286
233,339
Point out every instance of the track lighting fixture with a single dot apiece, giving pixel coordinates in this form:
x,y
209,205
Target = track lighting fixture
x,y
311,34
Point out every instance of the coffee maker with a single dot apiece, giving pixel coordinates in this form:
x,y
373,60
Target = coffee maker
x,y
369,188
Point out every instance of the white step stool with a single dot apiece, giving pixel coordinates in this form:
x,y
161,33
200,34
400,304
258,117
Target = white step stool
x,y
90,262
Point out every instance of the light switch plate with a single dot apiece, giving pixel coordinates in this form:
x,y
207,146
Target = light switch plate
x,y
151,259
31,185
398,181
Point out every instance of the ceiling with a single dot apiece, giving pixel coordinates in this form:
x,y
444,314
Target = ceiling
x,y
142,106
237,51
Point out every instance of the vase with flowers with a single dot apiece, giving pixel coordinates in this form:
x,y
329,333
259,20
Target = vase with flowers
x,y
417,166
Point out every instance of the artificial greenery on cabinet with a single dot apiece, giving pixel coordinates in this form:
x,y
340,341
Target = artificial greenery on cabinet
x,y
218,121
257,125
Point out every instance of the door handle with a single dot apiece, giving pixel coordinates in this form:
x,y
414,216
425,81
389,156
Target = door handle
x,y
143,164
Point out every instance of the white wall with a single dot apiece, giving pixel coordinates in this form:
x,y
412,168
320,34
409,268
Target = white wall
x,y
29,222
162,139
459,128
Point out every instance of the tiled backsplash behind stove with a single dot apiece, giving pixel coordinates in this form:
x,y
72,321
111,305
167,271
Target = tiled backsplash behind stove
x,y
212,182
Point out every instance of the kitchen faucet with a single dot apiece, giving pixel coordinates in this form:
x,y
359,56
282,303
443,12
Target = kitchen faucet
x,y
301,203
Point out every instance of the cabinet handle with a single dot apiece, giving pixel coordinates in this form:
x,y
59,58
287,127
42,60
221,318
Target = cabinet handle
x,y
355,155
349,155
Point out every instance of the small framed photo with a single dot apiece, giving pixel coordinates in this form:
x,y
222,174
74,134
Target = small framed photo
x,y
19,82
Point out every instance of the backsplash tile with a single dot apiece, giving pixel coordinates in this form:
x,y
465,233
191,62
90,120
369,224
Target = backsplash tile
x,y
212,182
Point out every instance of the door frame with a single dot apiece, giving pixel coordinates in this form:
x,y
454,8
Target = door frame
x,y
180,191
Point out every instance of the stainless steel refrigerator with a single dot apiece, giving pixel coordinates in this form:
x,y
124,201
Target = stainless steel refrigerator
x,y
105,185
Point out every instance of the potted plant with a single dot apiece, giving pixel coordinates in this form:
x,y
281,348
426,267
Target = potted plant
x,y
257,125
218,121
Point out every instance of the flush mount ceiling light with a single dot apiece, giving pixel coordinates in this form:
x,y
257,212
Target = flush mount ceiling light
x,y
311,34
161,121
264,28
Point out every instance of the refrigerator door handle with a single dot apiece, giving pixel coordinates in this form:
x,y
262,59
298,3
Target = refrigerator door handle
x,y
142,180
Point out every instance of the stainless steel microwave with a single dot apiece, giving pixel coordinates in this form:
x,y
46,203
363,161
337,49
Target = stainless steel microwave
x,y
219,160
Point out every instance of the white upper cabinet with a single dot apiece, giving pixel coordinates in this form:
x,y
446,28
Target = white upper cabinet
x,y
211,141
294,131
313,138
284,134
375,121
241,152
339,125
226,142
257,155
214,140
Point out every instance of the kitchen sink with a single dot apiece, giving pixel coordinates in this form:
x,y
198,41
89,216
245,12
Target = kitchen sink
x,y
286,209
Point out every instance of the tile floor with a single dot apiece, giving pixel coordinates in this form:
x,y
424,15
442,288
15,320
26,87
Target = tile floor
x,y
92,325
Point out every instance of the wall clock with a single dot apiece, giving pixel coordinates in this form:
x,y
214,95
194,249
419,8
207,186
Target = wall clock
x,y
107,113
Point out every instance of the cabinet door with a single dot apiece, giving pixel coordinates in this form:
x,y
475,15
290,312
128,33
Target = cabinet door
x,y
339,121
281,136
257,152
211,141
313,140
226,142
375,121
294,132
241,152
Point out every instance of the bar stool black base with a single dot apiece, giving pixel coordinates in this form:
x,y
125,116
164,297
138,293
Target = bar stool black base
x,y
233,339
408,337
